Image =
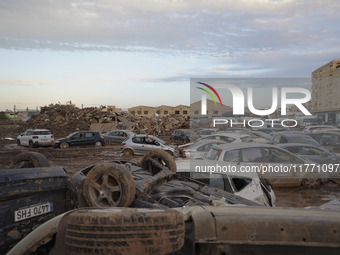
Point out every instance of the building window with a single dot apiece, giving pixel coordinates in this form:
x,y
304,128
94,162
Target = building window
x,y
139,112
133,112
215,112
166,112
146,112
185,112
176,112
196,112
158,112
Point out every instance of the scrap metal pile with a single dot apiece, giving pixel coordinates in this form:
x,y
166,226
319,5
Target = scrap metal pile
x,y
62,120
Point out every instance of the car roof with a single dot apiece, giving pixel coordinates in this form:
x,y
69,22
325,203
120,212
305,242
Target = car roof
x,y
284,145
38,130
326,132
292,133
319,126
235,146
205,141
120,130
144,135
233,135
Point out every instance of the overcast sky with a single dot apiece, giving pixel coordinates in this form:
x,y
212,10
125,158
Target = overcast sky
x,y
127,53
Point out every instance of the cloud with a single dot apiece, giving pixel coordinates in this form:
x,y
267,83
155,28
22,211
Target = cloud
x,y
23,83
203,27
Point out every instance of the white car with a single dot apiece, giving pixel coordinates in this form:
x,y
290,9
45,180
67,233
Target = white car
x,y
251,186
35,138
279,166
200,148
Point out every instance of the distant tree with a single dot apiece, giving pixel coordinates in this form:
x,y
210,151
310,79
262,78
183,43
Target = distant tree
x,y
3,116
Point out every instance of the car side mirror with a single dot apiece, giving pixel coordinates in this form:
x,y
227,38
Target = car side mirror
x,y
157,143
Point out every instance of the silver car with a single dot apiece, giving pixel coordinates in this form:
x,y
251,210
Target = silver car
x,y
117,136
279,166
142,144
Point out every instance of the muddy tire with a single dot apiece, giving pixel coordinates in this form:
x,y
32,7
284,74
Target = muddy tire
x,y
128,152
311,181
122,231
64,145
109,185
162,156
29,160
18,142
30,144
98,144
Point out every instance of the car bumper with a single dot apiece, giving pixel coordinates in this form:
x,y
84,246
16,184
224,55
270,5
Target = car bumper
x,y
50,143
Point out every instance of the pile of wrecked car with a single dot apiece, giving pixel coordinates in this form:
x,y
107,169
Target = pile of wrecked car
x,y
123,207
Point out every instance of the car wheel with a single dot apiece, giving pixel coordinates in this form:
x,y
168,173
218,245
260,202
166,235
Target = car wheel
x,y
64,145
30,144
311,181
121,231
109,185
128,152
29,160
98,143
18,142
170,153
162,156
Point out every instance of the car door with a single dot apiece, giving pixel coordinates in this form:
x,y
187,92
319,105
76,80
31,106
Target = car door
x,y
89,138
280,167
121,136
150,144
137,145
77,139
113,136
330,141
314,154
24,138
251,158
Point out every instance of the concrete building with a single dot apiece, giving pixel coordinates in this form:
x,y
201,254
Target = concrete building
x,y
141,110
326,92
182,110
212,110
164,110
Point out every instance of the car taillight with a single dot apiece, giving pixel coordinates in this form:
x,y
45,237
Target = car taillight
x,y
218,155
35,137
182,154
123,144
101,137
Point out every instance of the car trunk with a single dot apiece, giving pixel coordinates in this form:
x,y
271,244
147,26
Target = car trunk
x,y
29,197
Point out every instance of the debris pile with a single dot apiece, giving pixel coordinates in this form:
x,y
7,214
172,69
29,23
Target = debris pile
x,y
63,119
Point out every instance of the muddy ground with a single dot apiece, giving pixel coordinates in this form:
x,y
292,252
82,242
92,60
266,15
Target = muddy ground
x,y
76,158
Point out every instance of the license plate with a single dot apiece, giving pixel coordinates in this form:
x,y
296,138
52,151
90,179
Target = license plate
x,y
32,211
